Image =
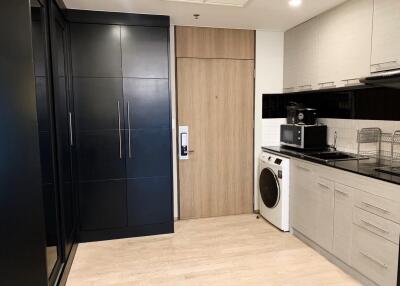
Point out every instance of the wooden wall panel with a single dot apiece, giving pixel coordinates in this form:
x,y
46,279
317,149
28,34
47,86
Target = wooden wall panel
x,y
195,42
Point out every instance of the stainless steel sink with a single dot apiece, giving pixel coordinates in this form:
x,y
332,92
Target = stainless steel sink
x,y
333,156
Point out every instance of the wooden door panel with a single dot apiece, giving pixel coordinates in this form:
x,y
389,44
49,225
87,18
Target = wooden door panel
x,y
215,99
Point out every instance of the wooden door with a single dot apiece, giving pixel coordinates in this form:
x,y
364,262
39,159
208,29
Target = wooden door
x,y
215,99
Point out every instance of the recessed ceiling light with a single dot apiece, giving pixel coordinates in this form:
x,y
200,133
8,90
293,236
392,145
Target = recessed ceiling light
x,y
295,3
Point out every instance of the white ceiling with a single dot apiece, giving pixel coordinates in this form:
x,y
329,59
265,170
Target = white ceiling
x,y
271,15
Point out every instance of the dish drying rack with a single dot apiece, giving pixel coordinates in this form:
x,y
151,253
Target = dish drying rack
x,y
374,143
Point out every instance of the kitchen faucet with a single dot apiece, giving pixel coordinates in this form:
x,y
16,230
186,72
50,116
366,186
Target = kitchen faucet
x,y
334,146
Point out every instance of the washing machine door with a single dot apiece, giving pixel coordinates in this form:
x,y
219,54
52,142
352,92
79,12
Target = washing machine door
x,y
269,188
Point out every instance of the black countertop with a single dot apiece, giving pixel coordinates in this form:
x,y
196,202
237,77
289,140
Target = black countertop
x,y
365,167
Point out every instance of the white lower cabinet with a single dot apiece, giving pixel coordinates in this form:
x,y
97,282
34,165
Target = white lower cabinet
x,y
342,223
355,218
324,213
304,211
374,256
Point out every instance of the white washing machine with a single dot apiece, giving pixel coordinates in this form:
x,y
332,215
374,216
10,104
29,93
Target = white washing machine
x,y
274,190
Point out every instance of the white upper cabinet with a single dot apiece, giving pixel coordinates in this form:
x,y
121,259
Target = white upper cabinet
x,y
386,35
344,44
332,49
300,67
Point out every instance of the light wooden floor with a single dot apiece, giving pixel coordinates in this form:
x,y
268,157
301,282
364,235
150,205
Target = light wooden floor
x,y
227,251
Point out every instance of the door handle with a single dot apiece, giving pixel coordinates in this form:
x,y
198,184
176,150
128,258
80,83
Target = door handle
x,y
119,131
129,130
71,140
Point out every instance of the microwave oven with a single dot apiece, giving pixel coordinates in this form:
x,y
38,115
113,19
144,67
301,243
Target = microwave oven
x,y
304,136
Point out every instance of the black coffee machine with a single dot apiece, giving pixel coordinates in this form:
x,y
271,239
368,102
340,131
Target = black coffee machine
x,y
298,114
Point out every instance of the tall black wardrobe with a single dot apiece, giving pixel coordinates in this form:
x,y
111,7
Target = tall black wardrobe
x,y
120,68
86,134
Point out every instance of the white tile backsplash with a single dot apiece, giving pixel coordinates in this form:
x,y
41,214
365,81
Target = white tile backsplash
x,y
271,130
346,130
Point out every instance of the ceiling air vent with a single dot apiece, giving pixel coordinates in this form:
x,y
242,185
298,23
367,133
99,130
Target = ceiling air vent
x,y
235,3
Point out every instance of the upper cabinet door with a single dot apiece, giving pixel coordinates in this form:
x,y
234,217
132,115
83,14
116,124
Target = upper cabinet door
x,y
344,44
300,57
386,35
145,52
96,50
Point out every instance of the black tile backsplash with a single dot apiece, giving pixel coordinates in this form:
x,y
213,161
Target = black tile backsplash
x,y
356,103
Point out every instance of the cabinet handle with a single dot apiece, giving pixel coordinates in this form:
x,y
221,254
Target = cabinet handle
x,y
71,140
379,66
129,130
327,84
341,192
374,226
356,81
383,265
119,131
305,87
376,208
288,89
324,186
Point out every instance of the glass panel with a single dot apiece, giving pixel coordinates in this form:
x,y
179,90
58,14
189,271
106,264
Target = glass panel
x,y
269,188
45,136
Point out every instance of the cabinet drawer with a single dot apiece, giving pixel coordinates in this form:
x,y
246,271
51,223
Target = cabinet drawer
x,y
380,226
374,257
378,205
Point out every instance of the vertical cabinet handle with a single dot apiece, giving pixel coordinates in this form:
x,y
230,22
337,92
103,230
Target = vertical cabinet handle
x,y
71,140
119,131
129,129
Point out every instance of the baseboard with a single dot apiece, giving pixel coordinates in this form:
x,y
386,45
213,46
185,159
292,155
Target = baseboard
x,y
108,234
333,259
68,265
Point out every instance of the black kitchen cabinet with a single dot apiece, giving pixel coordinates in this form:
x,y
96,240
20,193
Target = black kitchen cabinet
x,y
96,50
149,200
144,52
148,101
122,104
150,153
98,104
103,205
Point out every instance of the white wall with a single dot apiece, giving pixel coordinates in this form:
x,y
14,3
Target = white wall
x,y
173,117
269,79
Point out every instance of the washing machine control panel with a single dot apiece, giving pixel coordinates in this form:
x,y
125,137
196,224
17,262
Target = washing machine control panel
x,y
271,159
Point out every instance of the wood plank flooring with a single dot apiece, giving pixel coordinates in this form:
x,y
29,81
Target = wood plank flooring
x,y
227,251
